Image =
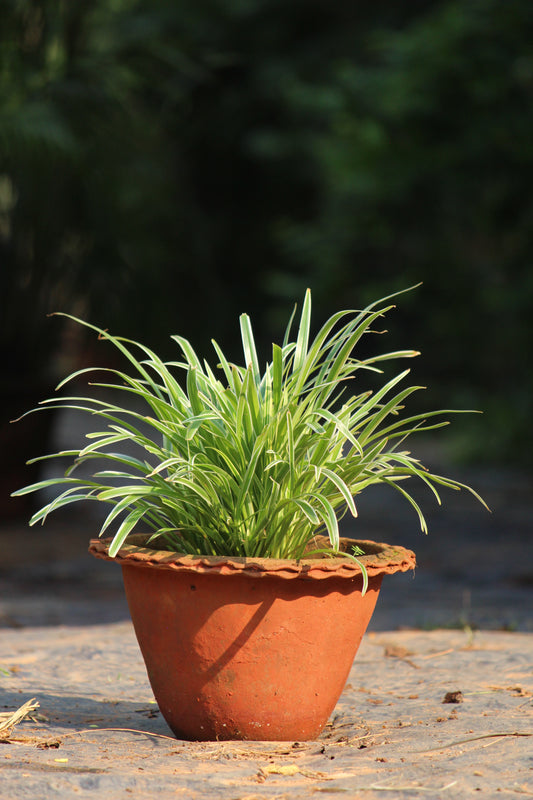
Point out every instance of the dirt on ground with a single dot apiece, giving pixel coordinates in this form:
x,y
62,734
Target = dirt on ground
x,y
442,714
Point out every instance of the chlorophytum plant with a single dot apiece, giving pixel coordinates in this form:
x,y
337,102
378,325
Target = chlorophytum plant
x,y
243,462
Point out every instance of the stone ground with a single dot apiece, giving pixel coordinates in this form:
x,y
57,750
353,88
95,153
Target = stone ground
x,y
462,623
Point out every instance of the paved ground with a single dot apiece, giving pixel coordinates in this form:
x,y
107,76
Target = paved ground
x,y
463,622
99,733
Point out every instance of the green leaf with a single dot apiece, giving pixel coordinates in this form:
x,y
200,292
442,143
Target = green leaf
x,y
327,514
343,489
125,529
248,343
308,510
223,362
303,334
277,377
192,391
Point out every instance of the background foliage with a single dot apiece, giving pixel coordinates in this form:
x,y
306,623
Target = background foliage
x,y
167,165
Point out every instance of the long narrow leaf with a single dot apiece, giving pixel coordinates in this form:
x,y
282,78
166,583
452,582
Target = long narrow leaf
x,y
248,343
249,463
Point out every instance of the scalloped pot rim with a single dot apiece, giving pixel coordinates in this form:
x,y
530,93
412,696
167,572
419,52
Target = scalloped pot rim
x,y
379,559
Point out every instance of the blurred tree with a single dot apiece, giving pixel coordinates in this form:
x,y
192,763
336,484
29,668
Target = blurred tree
x,y
422,165
165,166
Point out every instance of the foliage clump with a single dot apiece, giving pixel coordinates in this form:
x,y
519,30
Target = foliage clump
x,y
238,461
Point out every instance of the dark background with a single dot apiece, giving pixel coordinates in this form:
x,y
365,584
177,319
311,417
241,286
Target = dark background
x,y
168,164
165,166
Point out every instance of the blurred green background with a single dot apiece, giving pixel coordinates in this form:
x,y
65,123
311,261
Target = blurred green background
x,y
168,164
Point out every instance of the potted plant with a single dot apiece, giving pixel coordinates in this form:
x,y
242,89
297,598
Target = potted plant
x,y
248,605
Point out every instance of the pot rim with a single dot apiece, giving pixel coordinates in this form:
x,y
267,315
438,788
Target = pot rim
x,y
379,559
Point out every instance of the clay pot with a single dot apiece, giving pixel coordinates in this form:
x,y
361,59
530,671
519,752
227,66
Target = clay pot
x,y
242,648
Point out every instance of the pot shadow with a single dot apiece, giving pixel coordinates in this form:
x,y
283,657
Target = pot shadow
x,y
238,643
288,591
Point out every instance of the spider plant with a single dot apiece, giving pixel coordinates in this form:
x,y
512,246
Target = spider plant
x,y
239,461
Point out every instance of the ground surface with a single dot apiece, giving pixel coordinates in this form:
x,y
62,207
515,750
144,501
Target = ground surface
x,y
100,734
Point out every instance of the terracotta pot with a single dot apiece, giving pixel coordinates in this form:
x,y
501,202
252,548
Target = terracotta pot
x,y
242,648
